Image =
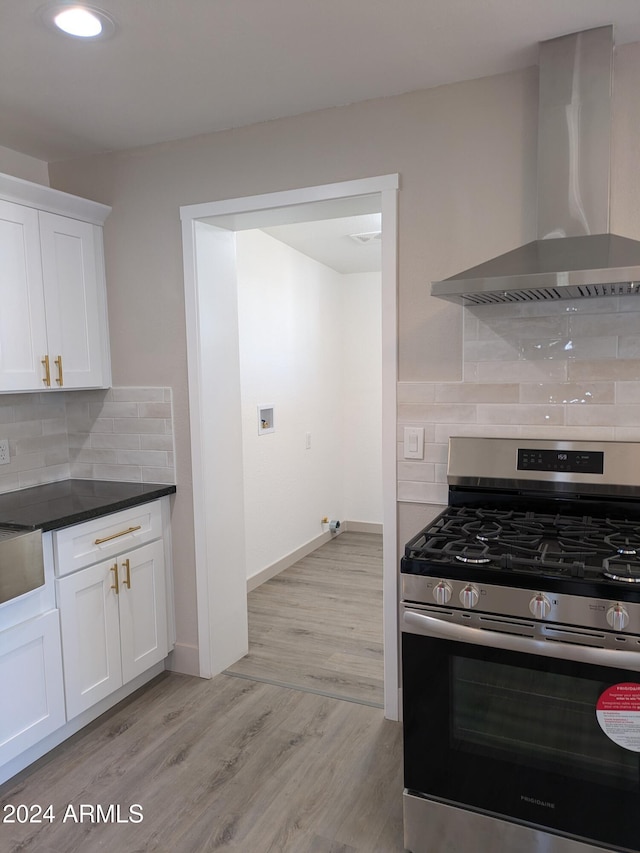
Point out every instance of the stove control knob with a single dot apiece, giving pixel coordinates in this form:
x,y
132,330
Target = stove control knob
x,y
540,606
469,596
617,617
442,592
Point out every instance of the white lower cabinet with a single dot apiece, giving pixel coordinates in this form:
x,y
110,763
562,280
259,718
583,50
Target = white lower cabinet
x,y
31,693
114,624
99,628
143,610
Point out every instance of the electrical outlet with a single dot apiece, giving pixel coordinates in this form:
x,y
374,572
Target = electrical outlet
x,y
4,452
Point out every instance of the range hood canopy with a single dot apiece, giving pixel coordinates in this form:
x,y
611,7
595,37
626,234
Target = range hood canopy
x,y
574,255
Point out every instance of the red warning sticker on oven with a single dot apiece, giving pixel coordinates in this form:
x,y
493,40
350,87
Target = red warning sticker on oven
x,y
618,713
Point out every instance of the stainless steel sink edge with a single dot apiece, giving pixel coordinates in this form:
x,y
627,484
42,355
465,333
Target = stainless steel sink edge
x,y
21,562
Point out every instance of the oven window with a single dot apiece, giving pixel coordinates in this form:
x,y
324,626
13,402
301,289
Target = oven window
x,y
540,719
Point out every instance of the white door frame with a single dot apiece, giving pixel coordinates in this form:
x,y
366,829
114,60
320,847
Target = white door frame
x,y
215,415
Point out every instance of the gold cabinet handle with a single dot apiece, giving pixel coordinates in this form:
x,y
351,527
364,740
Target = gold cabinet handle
x,y
127,580
115,585
58,363
47,371
116,535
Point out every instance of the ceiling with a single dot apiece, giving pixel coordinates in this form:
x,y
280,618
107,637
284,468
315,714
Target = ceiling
x,y
347,245
179,68
322,230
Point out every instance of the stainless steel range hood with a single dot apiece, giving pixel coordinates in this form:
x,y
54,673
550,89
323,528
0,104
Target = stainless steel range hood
x,y
574,255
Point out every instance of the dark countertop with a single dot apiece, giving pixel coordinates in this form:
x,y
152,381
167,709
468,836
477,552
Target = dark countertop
x,y
56,505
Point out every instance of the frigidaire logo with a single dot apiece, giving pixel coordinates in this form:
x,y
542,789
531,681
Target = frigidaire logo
x,y
536,802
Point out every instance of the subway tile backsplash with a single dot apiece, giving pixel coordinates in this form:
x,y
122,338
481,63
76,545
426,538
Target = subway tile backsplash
x,y
546,370
117,434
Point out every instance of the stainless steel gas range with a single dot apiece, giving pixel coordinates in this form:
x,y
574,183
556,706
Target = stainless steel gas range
x,y
521,652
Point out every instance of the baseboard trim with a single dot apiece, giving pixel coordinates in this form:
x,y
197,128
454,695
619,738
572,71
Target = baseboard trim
x,y
363,527
289,559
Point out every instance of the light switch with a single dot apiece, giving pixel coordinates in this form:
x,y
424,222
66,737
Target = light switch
x,y
414,442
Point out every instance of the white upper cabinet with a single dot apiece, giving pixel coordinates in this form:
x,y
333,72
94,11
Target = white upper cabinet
x,y
22,325
72,269
53,317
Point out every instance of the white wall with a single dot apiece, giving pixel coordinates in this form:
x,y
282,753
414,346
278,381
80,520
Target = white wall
x,y
298,352
362,376
466,155
218,512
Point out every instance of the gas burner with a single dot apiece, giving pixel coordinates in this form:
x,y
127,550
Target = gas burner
x,y
473,561
483,531
624,565
474,553
621,571
622,544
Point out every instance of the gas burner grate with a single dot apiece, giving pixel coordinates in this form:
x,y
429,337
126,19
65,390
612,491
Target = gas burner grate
x,y
551,544
484,531
556,563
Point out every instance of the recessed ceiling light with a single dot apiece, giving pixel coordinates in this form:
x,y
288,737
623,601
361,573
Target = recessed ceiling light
x,y
78,20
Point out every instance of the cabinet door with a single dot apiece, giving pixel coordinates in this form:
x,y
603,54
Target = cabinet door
x,y
23,337
32,696
143,609
75,308
90,636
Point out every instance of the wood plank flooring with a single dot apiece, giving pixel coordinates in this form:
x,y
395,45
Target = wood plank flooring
x,y
228,764
317,626
236,764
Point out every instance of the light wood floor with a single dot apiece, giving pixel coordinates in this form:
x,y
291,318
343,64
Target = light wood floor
x,y
232,764
318,625
222,765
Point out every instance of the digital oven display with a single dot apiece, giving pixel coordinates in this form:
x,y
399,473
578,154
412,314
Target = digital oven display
x,y
570,461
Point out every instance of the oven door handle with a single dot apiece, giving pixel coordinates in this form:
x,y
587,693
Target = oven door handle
x,y
419,623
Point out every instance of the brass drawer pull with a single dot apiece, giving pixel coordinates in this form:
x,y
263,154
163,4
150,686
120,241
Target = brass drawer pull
x,y
127,580
115,585
116,535
58,363
47,371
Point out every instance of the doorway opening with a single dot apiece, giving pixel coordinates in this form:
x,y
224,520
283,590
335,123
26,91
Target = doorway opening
x,y
209,239
309,318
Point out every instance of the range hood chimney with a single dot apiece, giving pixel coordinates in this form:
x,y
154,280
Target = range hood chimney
x,y
575,255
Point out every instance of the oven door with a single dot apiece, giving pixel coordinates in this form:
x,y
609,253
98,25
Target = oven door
x,y
514,734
